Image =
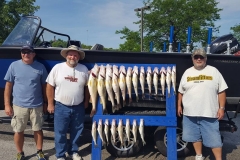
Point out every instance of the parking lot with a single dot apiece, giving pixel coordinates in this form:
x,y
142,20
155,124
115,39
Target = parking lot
x,y
231,147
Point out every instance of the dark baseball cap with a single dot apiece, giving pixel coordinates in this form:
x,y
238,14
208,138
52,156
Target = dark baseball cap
x,y
27,47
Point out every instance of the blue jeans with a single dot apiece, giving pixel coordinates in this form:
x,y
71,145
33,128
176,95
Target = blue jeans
x,y
72,118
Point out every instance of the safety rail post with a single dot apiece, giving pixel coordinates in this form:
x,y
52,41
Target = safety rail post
x,y
171,130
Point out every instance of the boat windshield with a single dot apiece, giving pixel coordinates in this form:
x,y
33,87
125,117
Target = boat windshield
x,y
29,31
24,32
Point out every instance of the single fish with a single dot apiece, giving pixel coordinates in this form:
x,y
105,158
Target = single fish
x,y
163,79
120,131
115,86
92,87
101,87
142,81
155,80
122,83
174,79
100,131
168,79
128,130
149,81
94,133
113,130
129,83
108,81
141,131
134,130
135,81
106,130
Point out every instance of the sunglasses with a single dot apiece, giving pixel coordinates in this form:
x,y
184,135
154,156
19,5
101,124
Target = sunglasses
x,y
197,57
26,52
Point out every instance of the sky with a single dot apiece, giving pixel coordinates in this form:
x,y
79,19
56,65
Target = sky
x,y
95,21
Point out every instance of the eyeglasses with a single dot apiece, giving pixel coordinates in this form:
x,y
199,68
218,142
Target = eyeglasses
x,y
26,52
198,56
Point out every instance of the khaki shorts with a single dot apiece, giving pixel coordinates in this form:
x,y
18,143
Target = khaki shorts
x,y
22,115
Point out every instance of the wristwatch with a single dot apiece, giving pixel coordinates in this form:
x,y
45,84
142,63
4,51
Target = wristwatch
x,y
223,108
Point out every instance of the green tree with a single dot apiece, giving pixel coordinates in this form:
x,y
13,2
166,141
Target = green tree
x,y
110,49
198,14
132,43
236,31
11,12
84,46
59,43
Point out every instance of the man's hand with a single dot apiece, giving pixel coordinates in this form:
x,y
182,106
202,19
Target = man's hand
x,y
7,95
9,110
50,108
220,114
179,104
179,111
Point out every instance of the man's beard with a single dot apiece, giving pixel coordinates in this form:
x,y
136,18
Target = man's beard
x,y
72,62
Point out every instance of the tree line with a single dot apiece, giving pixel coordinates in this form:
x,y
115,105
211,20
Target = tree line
x,y
198,14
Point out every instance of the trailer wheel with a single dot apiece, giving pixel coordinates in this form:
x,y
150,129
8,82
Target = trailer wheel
x,y
128,150
160,136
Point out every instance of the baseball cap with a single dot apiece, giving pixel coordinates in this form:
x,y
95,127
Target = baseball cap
x,y
201,52
27,47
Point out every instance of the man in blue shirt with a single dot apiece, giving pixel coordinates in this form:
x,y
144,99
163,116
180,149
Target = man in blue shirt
x,y
25,79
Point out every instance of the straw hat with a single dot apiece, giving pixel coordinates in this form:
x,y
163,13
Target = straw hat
x,y
72,48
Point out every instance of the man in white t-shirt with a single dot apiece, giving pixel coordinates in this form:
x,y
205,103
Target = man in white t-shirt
x,y
201,100
66,84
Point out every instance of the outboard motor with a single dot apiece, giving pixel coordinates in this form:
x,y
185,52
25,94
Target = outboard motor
x,y
97,47
74,42
225,44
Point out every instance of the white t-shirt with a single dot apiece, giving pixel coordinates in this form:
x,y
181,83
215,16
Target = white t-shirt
x,y
200,90
69,83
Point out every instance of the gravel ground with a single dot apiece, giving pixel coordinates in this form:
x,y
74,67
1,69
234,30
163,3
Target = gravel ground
x,y
231,147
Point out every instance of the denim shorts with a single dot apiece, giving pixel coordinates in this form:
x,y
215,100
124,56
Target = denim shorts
x,y
203,129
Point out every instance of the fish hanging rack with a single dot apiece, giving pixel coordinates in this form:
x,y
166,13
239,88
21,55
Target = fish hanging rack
x,y
169,120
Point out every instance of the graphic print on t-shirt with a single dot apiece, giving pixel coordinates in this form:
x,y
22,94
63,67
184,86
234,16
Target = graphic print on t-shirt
x,y
71,78
199,78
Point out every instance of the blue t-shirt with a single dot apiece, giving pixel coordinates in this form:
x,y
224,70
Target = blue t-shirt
x,y
27,82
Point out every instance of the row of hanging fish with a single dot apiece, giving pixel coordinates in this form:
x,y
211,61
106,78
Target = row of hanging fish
x,y
153,77
117,130
111,80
